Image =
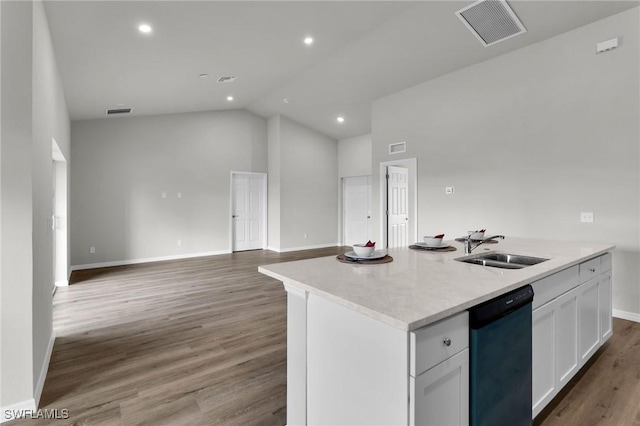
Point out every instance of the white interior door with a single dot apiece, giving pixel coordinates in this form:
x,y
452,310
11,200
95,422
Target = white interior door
x,y
357,209
397,206
248,211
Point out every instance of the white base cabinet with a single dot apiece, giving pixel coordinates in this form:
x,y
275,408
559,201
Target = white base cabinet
x,y
439,373
571,321
440,396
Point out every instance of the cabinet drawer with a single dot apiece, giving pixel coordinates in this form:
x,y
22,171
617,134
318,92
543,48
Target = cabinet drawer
x,y
554,285
434,343
589,269
605,262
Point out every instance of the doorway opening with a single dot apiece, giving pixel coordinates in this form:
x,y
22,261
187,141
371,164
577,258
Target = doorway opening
x,y
248,211
398,202
59,216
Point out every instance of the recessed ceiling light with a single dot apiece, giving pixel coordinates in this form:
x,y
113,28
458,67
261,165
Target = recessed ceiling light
x,y
144,28
229,98
340,119
308,40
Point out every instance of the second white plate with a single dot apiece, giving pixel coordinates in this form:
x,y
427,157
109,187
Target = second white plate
x,y
379,254
424,246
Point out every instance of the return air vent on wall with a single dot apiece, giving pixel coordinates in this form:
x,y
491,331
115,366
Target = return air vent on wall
x,y
491,21
229,79
397,148
118,111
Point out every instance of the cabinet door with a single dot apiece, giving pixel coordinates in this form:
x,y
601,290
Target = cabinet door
x,y
440,396
544,356
604,297
567,362
589,320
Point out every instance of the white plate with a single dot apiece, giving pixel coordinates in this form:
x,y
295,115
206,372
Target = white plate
x,y
375,255
425,246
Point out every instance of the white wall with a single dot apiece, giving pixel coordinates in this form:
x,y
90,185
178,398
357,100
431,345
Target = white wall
x,y
122,165
308,169
50,120
529,140
16,193
354,156
33,112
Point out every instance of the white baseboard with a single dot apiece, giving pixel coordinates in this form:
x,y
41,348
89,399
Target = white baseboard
x,y
146,260
44,369
318,246
630,316
63,283
9,410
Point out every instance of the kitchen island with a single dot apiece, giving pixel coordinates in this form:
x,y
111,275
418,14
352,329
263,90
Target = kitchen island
x,y
364,342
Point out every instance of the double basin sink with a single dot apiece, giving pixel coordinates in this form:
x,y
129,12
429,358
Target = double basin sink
x,y
502,260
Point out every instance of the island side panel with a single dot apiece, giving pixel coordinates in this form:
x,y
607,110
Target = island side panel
x,y
357,367
296,355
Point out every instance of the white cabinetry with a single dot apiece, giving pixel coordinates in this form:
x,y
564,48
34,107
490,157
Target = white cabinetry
x,y
555,335
439,373
567,336
440,396
571,320
604,296
544,356
589,320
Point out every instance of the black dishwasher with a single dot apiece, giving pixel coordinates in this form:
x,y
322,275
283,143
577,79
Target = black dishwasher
x,y
500,365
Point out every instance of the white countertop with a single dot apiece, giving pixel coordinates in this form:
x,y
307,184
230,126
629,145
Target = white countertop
x,y
420,287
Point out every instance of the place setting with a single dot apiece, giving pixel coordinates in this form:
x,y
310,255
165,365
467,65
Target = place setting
x,y
365,254
433,243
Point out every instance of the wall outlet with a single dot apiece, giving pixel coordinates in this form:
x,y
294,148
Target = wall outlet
x,y
586,217
179,243
92,250
449,190
179,194
305,235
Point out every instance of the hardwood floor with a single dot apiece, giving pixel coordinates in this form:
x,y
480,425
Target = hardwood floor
x,y
196,342
203,342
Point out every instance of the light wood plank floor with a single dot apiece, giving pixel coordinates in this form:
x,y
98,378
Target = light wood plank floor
x,y
203,342
196,342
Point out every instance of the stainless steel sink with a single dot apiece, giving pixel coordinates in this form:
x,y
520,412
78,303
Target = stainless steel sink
x,y
502,260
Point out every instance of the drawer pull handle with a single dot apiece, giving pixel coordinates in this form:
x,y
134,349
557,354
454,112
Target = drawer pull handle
x,y
447,341
592,269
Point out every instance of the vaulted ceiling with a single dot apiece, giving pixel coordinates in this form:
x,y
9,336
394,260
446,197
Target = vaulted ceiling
x,y
362,50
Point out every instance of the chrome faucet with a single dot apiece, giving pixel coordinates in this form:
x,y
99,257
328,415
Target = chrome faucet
x,y
469,243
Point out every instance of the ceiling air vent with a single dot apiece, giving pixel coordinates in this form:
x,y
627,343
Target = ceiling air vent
x,y
491,21
229,79
118,111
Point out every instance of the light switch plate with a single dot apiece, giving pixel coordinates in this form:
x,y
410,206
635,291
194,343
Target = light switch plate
x,y
449,190
586,217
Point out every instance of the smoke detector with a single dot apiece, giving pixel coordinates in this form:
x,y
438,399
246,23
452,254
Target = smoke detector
x,y
491,21
224,79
